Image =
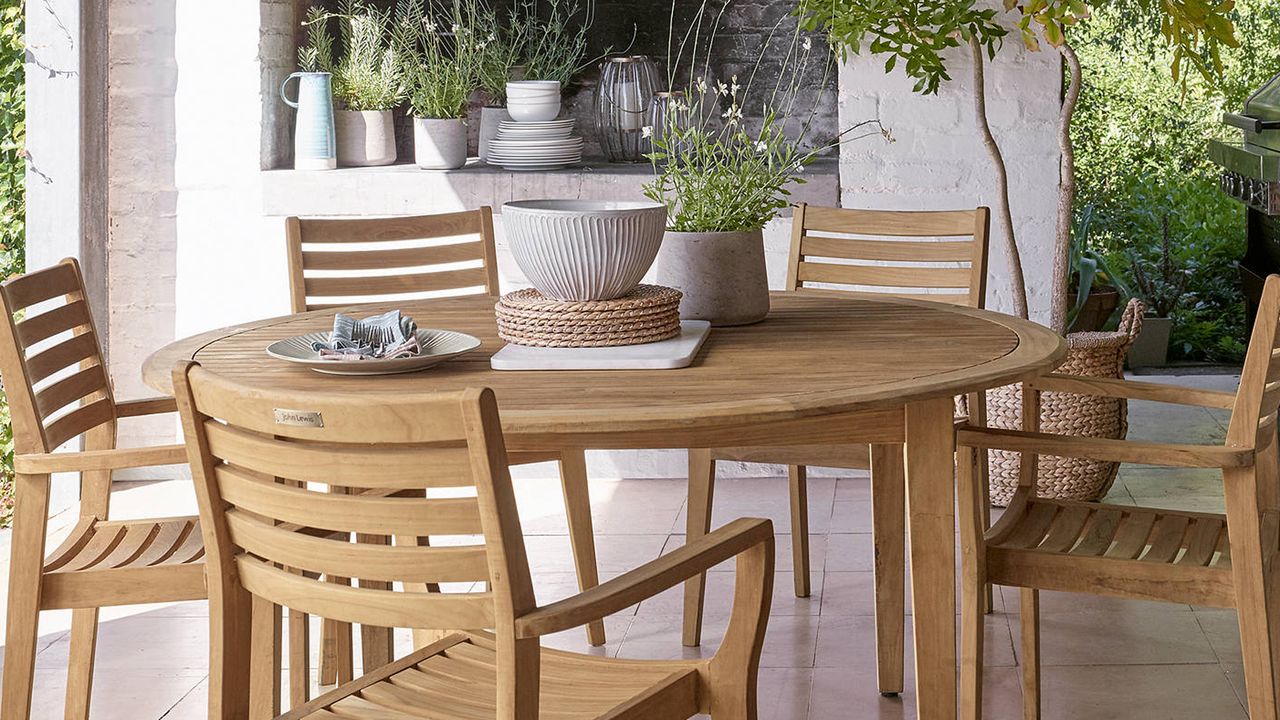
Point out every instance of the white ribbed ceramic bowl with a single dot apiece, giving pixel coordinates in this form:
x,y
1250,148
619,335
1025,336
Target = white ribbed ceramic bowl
x,y
584,249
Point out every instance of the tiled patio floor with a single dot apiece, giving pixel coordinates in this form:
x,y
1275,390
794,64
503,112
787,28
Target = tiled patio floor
x,y
1104,658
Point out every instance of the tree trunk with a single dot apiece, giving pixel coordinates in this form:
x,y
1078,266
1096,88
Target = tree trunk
x,y
1066,194
1004,214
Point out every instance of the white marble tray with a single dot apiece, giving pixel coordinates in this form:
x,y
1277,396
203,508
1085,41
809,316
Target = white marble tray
x,y
677,352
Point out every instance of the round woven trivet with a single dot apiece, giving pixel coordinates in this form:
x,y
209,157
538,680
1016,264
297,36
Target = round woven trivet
x,y
649,313
663,320
643,296
581,340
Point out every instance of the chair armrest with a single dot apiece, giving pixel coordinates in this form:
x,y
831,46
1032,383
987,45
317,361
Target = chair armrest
x,y
117,459
1126,451
647,580
146,406
1132,390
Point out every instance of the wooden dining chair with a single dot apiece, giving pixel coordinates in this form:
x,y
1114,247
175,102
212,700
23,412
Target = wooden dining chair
x,y
261,460
1220,560
58,391
901,254
336,262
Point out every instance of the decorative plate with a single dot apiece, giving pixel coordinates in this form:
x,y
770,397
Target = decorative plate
x,y
437,346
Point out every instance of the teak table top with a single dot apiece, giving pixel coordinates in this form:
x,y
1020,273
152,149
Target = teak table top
x,y
817,354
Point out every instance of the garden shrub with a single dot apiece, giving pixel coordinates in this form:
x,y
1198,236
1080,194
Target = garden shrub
x,y
1140,139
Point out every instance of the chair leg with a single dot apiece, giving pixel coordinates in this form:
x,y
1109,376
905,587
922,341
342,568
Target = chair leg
x,y
797,477
31,507
888,536
1030,633
577,507
84,640
299,658
1255,596
972,584
702,482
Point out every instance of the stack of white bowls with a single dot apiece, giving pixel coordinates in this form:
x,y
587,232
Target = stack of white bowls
x,y
533,139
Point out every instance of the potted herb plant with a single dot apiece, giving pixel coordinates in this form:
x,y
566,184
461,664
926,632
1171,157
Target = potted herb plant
x,y
438,49
551,46
366,79
1162,291
722,179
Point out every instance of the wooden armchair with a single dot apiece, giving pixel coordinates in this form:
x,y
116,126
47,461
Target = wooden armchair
x,y
1135,552
825,242
58,390
270,529
330,261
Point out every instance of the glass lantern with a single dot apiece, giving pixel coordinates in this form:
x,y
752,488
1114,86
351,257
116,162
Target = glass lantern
x,y
623,97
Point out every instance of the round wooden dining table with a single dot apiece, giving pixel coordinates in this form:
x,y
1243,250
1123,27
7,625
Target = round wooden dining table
x,y
821,368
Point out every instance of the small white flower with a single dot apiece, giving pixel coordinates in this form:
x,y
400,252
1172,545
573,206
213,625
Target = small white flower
x,y
721,88
761,146
733,114
431,27
646,131
702,85
799,169
808,43
456,28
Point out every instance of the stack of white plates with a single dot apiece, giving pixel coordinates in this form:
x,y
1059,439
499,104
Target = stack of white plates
x,y
535,145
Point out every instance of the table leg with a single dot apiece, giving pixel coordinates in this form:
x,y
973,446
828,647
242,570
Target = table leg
x,y
931,502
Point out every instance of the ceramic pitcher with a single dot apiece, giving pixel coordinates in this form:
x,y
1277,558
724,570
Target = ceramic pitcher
x,y
314,145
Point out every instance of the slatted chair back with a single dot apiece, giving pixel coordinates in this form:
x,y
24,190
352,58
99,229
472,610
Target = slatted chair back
x,y
335,262
928,255
1253,419
264,464
51,362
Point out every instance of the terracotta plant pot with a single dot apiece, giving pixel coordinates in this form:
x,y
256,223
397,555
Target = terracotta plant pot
x,y
1151,347
722,275
366,138
1102,302
440,144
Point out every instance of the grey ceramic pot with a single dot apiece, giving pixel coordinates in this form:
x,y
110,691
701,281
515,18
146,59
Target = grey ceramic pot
x,y
722,275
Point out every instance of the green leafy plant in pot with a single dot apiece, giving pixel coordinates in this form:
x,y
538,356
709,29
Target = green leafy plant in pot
x,y
1163,290
723,177
1094,289
367,82
439,43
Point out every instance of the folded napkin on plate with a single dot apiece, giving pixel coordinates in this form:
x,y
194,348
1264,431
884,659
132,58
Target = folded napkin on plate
x,y
381,337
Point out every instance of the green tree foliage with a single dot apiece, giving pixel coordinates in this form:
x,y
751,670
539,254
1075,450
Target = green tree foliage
x,y
13,204
1140,136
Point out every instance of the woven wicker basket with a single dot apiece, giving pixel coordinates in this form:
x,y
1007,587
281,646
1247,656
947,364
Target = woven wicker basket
x,y
1089,354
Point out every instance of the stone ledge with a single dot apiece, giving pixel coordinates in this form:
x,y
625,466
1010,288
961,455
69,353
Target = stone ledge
x,y
405,189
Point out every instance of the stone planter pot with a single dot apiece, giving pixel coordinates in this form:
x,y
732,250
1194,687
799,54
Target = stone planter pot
x,y
722,275
1151,347
533,100
440,144
490,117
365,137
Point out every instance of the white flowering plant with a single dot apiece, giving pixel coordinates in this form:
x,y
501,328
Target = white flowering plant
x,y
717,170
439,43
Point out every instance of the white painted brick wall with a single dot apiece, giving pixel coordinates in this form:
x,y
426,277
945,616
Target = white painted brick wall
x,y
142,249
938,161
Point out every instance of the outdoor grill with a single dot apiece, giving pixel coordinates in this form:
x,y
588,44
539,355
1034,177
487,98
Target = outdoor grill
x,y
1251,174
